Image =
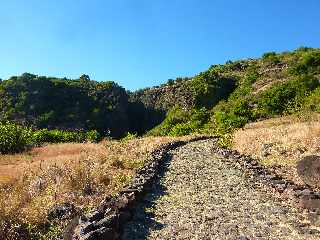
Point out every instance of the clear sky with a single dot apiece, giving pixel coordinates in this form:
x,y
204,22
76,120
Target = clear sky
x,y
141,43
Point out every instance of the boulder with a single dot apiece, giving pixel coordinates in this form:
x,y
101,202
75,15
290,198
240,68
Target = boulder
x,y
62,211
309,170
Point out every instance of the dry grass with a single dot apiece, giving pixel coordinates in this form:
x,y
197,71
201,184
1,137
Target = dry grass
x,y
281,141
83,174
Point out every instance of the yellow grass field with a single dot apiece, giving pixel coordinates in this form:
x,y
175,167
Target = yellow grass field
x,y
280,142
83,174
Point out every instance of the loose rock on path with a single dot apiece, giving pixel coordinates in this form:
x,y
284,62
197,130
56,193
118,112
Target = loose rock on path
x,y
200,195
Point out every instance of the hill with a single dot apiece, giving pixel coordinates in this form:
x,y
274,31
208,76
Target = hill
x,y
73,178
218,100
226,97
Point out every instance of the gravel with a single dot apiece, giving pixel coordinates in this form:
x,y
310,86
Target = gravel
x,y
202,195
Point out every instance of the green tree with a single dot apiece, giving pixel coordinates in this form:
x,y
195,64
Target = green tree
x,y
84,78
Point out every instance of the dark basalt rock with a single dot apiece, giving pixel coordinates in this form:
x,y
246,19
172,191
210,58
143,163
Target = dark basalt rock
x,y
309,170
99,234
94,216
65,210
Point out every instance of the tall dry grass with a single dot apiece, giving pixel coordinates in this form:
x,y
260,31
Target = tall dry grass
x,y
281,141
81,174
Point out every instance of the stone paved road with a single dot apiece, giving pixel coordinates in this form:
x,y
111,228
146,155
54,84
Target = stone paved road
x,y
202,196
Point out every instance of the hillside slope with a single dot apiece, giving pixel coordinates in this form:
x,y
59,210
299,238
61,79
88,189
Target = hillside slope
x,y
218,100
229,96
64,104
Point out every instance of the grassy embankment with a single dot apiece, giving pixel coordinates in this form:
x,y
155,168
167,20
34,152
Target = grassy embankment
x,y
280,142
34,181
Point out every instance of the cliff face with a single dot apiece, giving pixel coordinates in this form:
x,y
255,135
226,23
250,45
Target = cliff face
x,y
166,96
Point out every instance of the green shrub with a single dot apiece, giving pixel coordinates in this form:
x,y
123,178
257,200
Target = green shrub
x,y
286,97
181,129
251,75
194,123
312,102
13,138
234,117
309,62
209,87
170,82
271,58
59,136
243,86
182,122
236,65
93,136
174,116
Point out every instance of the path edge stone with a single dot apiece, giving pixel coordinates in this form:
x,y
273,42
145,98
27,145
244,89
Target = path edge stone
x,y
301,196
106,221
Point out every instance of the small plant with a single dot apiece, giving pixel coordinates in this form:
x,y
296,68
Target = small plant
x,y
121,180
130,136
93,136
181,129
225,140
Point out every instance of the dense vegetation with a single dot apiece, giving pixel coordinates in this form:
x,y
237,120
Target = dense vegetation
x,y
181,122
65,104
15,138
228,96
36,110
215,101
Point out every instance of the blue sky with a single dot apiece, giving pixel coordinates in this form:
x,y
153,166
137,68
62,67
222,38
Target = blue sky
x,y
141,43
